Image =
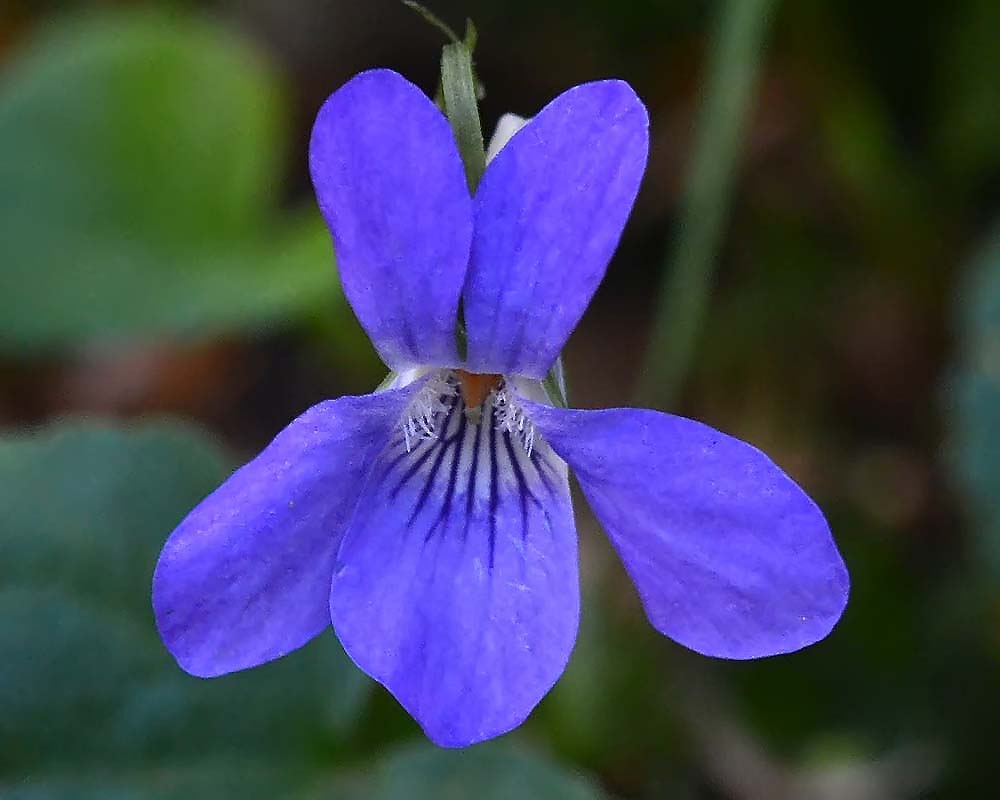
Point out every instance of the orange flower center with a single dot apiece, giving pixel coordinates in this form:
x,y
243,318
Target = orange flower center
x,y
475,387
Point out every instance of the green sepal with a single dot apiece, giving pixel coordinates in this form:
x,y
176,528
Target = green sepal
x,y
471,39
458,96
555,384
458,88
461,333
387,381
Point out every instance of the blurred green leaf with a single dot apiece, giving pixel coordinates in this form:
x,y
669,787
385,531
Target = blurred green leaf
x,y
139,183
291,709
66,670
974,402
84,509
968,115
864,683
614,705
211,781
87,507
491,771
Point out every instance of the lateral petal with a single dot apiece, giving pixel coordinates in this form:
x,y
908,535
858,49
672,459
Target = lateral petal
x,y
731,558
245,578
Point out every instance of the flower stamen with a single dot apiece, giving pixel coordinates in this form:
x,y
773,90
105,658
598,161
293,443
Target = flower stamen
x,y
510,417
434,398
482,397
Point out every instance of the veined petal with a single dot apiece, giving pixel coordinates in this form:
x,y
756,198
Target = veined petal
x,y
391,186
457,584
548,215
731,558
245,578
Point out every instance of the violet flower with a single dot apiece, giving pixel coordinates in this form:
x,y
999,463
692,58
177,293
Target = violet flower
x,y
431,520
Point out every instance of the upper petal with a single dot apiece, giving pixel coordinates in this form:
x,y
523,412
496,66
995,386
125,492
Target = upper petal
x,y
245,578
457,584
392,189
731,558
548,215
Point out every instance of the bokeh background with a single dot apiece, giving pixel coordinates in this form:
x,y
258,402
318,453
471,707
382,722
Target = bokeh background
x,y
814,254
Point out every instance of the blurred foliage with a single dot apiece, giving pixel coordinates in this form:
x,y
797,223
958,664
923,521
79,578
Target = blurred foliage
x,y
975,443
84,514
170,130
729,87
969,118
91,701
492,772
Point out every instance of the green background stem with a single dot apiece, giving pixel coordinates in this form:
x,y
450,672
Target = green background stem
x,y
683,299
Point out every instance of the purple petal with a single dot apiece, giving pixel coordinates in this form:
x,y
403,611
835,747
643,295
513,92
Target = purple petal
x,y
549,212
392,189
245,578
457,583
731,558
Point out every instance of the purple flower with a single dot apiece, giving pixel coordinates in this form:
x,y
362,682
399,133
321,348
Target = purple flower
x,y
431,520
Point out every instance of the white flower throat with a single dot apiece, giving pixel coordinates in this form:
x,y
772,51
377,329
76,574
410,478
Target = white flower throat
x,y
485,400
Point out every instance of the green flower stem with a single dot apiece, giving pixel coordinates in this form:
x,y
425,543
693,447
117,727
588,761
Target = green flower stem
x,y
432,19
683,301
